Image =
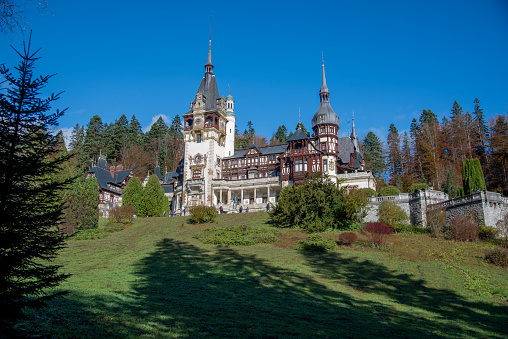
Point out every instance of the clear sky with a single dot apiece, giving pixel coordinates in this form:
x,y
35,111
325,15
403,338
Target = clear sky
x,y
384,60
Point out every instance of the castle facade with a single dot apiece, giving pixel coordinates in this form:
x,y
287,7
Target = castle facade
x,y
213,173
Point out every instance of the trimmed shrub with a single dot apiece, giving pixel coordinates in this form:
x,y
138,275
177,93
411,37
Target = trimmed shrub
x,y
348,238
497,256
237,235
368,192
487,232
436,220
133,194
392,214
377,232
417,186
316,243
389,190
123,215
463,228
203,214
316,205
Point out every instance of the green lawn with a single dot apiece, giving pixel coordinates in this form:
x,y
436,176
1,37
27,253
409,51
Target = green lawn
x,y
154,280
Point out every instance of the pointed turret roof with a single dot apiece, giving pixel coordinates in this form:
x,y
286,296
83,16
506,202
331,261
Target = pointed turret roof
x,y
354,137
299,135
208,86
325,113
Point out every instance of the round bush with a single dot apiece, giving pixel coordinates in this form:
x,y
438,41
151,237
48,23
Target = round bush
x,y
348,238
417,186
389,190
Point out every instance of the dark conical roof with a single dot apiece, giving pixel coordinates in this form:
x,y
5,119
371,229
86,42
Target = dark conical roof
x,y
299,135
325,113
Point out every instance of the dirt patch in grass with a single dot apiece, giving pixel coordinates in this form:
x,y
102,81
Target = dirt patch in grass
x,y
290,238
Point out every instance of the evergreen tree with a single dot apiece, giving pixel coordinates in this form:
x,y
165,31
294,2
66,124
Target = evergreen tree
x,y
133,194
93,138
80,161
281,134
176,127
29,195
152,204
498,157
407,163
300,125
134,133
157,130
81,203
373,155
472,176
120,132
394,158
480,134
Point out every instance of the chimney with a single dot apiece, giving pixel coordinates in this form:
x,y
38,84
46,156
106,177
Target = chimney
x,y
119,167
112,171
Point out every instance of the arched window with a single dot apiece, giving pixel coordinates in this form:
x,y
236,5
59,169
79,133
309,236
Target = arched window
x,y
196,174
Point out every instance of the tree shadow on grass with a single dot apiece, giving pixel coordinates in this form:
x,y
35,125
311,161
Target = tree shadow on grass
x,y
182,290
448,314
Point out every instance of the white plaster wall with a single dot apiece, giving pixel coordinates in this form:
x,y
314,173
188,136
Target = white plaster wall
x,y
230,136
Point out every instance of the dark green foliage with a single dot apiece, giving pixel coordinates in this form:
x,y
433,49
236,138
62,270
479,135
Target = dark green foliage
x,y
281,134
472,176
373,155
238,235
123,215
448,186
389,190
300,125
480,133
134,133
30,205
487,232
368,192
460,191
394,158
317,243
392,214
348,238
152,203
133,194
314,206
93,137
203,214
497,256
417,186
81,204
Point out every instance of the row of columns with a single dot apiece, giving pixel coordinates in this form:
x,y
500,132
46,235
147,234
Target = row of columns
x,y
241,194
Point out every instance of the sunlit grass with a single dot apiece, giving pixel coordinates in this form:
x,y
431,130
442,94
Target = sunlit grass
x,y
154,279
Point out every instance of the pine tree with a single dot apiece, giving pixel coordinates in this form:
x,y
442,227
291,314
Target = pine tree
x,y
93,138
300,125
281,134
134,133
480,133
373,155
498,155
29,199
394,158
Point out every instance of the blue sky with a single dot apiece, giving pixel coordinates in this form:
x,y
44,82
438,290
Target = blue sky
x,y
386,61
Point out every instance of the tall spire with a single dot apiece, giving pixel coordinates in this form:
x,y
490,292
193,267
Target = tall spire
x,y
354,137
324,94
209,66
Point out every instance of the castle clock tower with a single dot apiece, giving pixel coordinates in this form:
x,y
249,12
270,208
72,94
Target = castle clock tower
x,y
205,126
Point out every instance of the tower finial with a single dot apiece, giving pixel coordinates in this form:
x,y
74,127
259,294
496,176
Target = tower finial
x,y
299,117
323,93
209,66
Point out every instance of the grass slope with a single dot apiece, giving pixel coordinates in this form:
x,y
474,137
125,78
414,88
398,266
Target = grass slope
x,y
154,280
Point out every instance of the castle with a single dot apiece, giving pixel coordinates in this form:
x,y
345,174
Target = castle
x,y
213,173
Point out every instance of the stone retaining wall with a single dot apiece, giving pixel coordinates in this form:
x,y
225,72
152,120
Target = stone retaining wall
x,y
488,206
